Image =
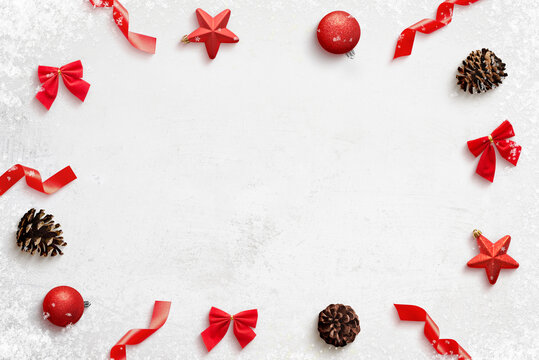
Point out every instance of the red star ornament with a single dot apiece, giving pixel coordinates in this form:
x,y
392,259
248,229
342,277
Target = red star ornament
x,y
492,257
212,31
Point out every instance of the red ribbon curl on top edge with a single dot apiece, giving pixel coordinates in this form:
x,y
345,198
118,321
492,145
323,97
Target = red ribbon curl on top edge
x,y
33,179
136,336
121,18
508,149
444,15
220,322
49,79
431,331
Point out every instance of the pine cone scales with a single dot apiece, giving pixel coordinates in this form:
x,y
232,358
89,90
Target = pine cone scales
x,y
481,71
338,324
38,232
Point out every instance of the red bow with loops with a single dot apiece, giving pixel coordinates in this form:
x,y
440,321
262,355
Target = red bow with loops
x,y
72,76
220,321
508,149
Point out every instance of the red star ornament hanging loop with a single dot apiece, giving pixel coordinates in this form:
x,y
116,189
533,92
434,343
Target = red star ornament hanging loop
x,y
338,33
212,31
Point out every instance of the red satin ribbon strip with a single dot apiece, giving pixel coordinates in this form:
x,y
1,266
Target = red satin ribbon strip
x,y
136,336
72,76
33,179
431,331
444,15
484,146
220,322
121,18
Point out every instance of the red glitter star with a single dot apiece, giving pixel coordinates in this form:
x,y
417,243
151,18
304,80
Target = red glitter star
x,y
492,257
212,31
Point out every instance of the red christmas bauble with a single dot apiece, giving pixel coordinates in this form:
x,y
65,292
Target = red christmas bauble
x,y
338,32
63,305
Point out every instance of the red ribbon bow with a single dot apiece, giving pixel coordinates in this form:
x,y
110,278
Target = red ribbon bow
x,y
33,179
508,149
136,336
70,73
444,15
121,18
220,321
431,331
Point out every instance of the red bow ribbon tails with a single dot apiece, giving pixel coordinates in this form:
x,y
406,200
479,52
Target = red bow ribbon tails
x,y
444,15
431,331
508,149
72,76
136,336
220,321
121,18
33,179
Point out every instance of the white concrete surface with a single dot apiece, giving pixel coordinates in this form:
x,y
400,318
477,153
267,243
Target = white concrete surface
x,y
276,176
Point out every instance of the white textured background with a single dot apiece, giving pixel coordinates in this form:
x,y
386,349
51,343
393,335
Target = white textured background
x,y
276,176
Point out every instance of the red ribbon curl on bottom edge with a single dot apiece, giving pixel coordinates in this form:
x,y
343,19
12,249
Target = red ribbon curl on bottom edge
x,y
136,336
431,331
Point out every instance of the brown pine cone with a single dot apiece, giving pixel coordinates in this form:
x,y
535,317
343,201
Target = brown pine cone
x,y
38,232
482,70
338,324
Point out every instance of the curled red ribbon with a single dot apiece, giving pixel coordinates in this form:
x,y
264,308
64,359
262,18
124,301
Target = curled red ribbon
x,y
431,331
33,179
121,18
508,149
220,322
72,76
444,15
136,336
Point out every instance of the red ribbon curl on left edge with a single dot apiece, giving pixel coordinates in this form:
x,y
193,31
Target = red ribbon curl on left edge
x,y
444,15
136,336
33,179
485,145
220,322
121,18
431,331
49,79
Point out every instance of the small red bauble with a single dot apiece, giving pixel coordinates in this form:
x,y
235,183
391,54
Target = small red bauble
x,y
63,305
338,32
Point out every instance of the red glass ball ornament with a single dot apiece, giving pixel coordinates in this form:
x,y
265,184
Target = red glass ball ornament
x,y
338,32
63,305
